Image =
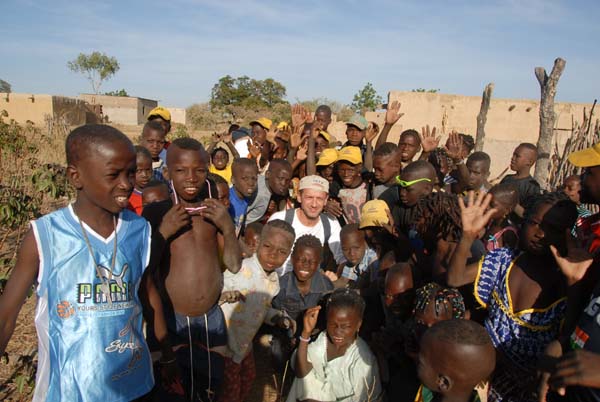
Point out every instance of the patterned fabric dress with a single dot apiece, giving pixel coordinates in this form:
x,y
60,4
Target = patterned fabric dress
x,y
520,336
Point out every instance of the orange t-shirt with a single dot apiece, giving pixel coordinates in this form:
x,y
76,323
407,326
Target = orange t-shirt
x,y
135,202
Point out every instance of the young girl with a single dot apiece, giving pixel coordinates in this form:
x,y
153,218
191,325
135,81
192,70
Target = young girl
x,y
143,174
338,365
524,293
501,232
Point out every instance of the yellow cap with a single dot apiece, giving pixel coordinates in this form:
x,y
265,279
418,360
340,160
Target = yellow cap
x,y
160,112
350,154
327,157
586,157
325,135
283,125
374,213
263,122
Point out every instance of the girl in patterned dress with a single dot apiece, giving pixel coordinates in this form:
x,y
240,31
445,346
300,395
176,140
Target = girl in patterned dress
x,y
524,293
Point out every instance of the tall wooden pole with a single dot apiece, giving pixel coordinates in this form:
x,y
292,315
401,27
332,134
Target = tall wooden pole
x,y
482,116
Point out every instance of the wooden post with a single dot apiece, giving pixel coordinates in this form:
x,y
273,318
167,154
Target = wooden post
x,y
482,116
547,117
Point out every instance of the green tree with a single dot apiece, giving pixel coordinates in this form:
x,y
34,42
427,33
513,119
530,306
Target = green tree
x,y
120,92
5,86
366,99
231,93
431,91
96,66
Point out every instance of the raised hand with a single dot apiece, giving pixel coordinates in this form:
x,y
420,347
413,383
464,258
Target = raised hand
x,y
575,264
272,133
227,137
299,116
372,131
454,146
295,139
392,114
302,152
310,321
429,142
475,215
253,149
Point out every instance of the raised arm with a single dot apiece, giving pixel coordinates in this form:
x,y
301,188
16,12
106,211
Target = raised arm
x,y
392,115
372,131
21,279
475,217
429,142
303,366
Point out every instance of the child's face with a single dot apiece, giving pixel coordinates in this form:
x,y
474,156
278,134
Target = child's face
x,y
259,134
223,194
188,170
478,174
354,135
349,173
143,171
543,229
408,147
320,144
409,196
305,261
154,194
278,180
572,189
385,168
153,141
244,180
326,172
220,159
274,248
522,159
425,319
354,247
399,295
251,239
343,324
105,177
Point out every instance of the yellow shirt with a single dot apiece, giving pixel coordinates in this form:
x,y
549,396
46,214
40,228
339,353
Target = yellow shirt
x,y
225,173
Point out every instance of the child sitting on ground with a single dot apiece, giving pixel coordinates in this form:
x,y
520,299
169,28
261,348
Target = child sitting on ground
x,y
338,365
155,191
501,232
143,174
455,356
153,139
88,260
299,290
244,181
247,296
524,294
359,256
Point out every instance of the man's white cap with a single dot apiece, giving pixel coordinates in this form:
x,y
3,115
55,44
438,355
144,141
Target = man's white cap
x,y
314,182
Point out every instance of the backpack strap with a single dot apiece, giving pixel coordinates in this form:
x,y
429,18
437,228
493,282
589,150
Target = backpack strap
x,y
326,227
289,215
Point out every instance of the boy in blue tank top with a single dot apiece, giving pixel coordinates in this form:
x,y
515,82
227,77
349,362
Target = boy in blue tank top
x,y
88,261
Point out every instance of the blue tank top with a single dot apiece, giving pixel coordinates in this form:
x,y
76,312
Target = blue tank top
x,y
89,349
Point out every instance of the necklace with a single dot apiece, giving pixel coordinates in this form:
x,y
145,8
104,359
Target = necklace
x,y
99,270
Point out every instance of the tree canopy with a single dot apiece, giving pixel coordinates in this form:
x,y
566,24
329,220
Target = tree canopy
x,y
5,86
96,66
230,93
366,99
120,92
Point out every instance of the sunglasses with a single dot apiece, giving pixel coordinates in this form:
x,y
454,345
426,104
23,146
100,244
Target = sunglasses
x,y
404,183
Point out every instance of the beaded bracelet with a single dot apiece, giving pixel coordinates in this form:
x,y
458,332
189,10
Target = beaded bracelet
x,y
304,339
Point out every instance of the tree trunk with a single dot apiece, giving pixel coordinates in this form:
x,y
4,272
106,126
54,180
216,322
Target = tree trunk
x,y
547,117
482,116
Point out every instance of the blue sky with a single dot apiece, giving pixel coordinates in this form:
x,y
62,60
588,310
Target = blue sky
x,y
175,51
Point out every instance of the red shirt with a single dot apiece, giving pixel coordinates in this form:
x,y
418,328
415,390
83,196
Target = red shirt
x,y
135,202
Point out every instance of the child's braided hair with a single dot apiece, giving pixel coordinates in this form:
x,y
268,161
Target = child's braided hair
x,y
442,297
438,215
346,298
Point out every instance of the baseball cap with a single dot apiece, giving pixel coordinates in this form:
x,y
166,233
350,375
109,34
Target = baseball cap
x,y
586,157
263,122
283,125
314,182
327,157
350,154
325,135
358,121
160,112
374,213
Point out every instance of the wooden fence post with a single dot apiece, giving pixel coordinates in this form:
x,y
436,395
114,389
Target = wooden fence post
x,y
482,116
547,117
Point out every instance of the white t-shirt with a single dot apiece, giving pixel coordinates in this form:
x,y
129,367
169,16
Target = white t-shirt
x,y
318,231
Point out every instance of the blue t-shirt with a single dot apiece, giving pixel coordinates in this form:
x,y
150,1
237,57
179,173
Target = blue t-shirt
x,y
237,209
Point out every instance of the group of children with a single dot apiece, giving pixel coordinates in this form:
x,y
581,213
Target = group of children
x,y
374,274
